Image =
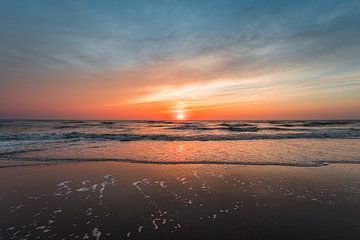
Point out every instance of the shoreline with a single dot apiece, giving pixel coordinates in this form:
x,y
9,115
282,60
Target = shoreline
x,y
6,163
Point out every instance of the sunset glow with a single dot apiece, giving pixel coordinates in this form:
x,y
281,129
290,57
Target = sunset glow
x,y
150,60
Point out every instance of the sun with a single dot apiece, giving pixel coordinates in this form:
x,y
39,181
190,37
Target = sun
x,y
180,116
180,110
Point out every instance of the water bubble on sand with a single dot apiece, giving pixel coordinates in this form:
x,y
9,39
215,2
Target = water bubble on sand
x,y
136,185
88,212
96,233
36,215
83,189
14,208
183,180
110,179
64,183
85,182
154,223
102,189
57,211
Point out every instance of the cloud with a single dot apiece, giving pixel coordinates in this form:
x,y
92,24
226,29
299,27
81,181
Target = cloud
x,y
209,53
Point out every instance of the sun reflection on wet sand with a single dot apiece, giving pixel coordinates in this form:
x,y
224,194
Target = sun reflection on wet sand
x,y
294,152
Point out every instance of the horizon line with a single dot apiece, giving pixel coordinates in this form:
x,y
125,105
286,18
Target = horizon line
x,y
176,120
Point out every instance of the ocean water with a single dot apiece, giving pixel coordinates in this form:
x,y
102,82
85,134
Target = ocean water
x,y
292,143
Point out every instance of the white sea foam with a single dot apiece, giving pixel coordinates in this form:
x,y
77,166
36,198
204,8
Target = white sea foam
x,y
162,184
83,189
96,233
155,224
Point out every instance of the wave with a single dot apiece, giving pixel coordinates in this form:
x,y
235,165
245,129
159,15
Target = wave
x,y
284,129
240,129
223,126
156,122
236,125
243,129
336,134
108,122
139,161
84,125
317,123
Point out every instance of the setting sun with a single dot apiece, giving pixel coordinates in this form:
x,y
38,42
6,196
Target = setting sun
x,y
180,116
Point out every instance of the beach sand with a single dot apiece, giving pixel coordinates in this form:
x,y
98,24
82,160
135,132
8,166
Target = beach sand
x,y
112,200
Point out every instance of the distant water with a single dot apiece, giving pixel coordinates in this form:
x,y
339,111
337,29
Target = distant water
x,y
299,143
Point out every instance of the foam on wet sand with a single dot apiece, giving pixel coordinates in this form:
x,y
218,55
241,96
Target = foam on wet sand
x,y
109,200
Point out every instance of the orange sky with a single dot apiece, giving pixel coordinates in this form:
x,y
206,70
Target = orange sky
x,y
169,60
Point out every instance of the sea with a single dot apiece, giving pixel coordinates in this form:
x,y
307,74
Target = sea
x,y
179,180
305,143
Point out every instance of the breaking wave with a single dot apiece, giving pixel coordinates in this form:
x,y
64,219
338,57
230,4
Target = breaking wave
x,y
209,162
331,134
295,143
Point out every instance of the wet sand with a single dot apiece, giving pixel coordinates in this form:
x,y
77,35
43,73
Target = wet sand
x,y
112,200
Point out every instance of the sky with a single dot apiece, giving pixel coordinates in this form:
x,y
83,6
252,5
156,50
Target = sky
x,y
188,59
